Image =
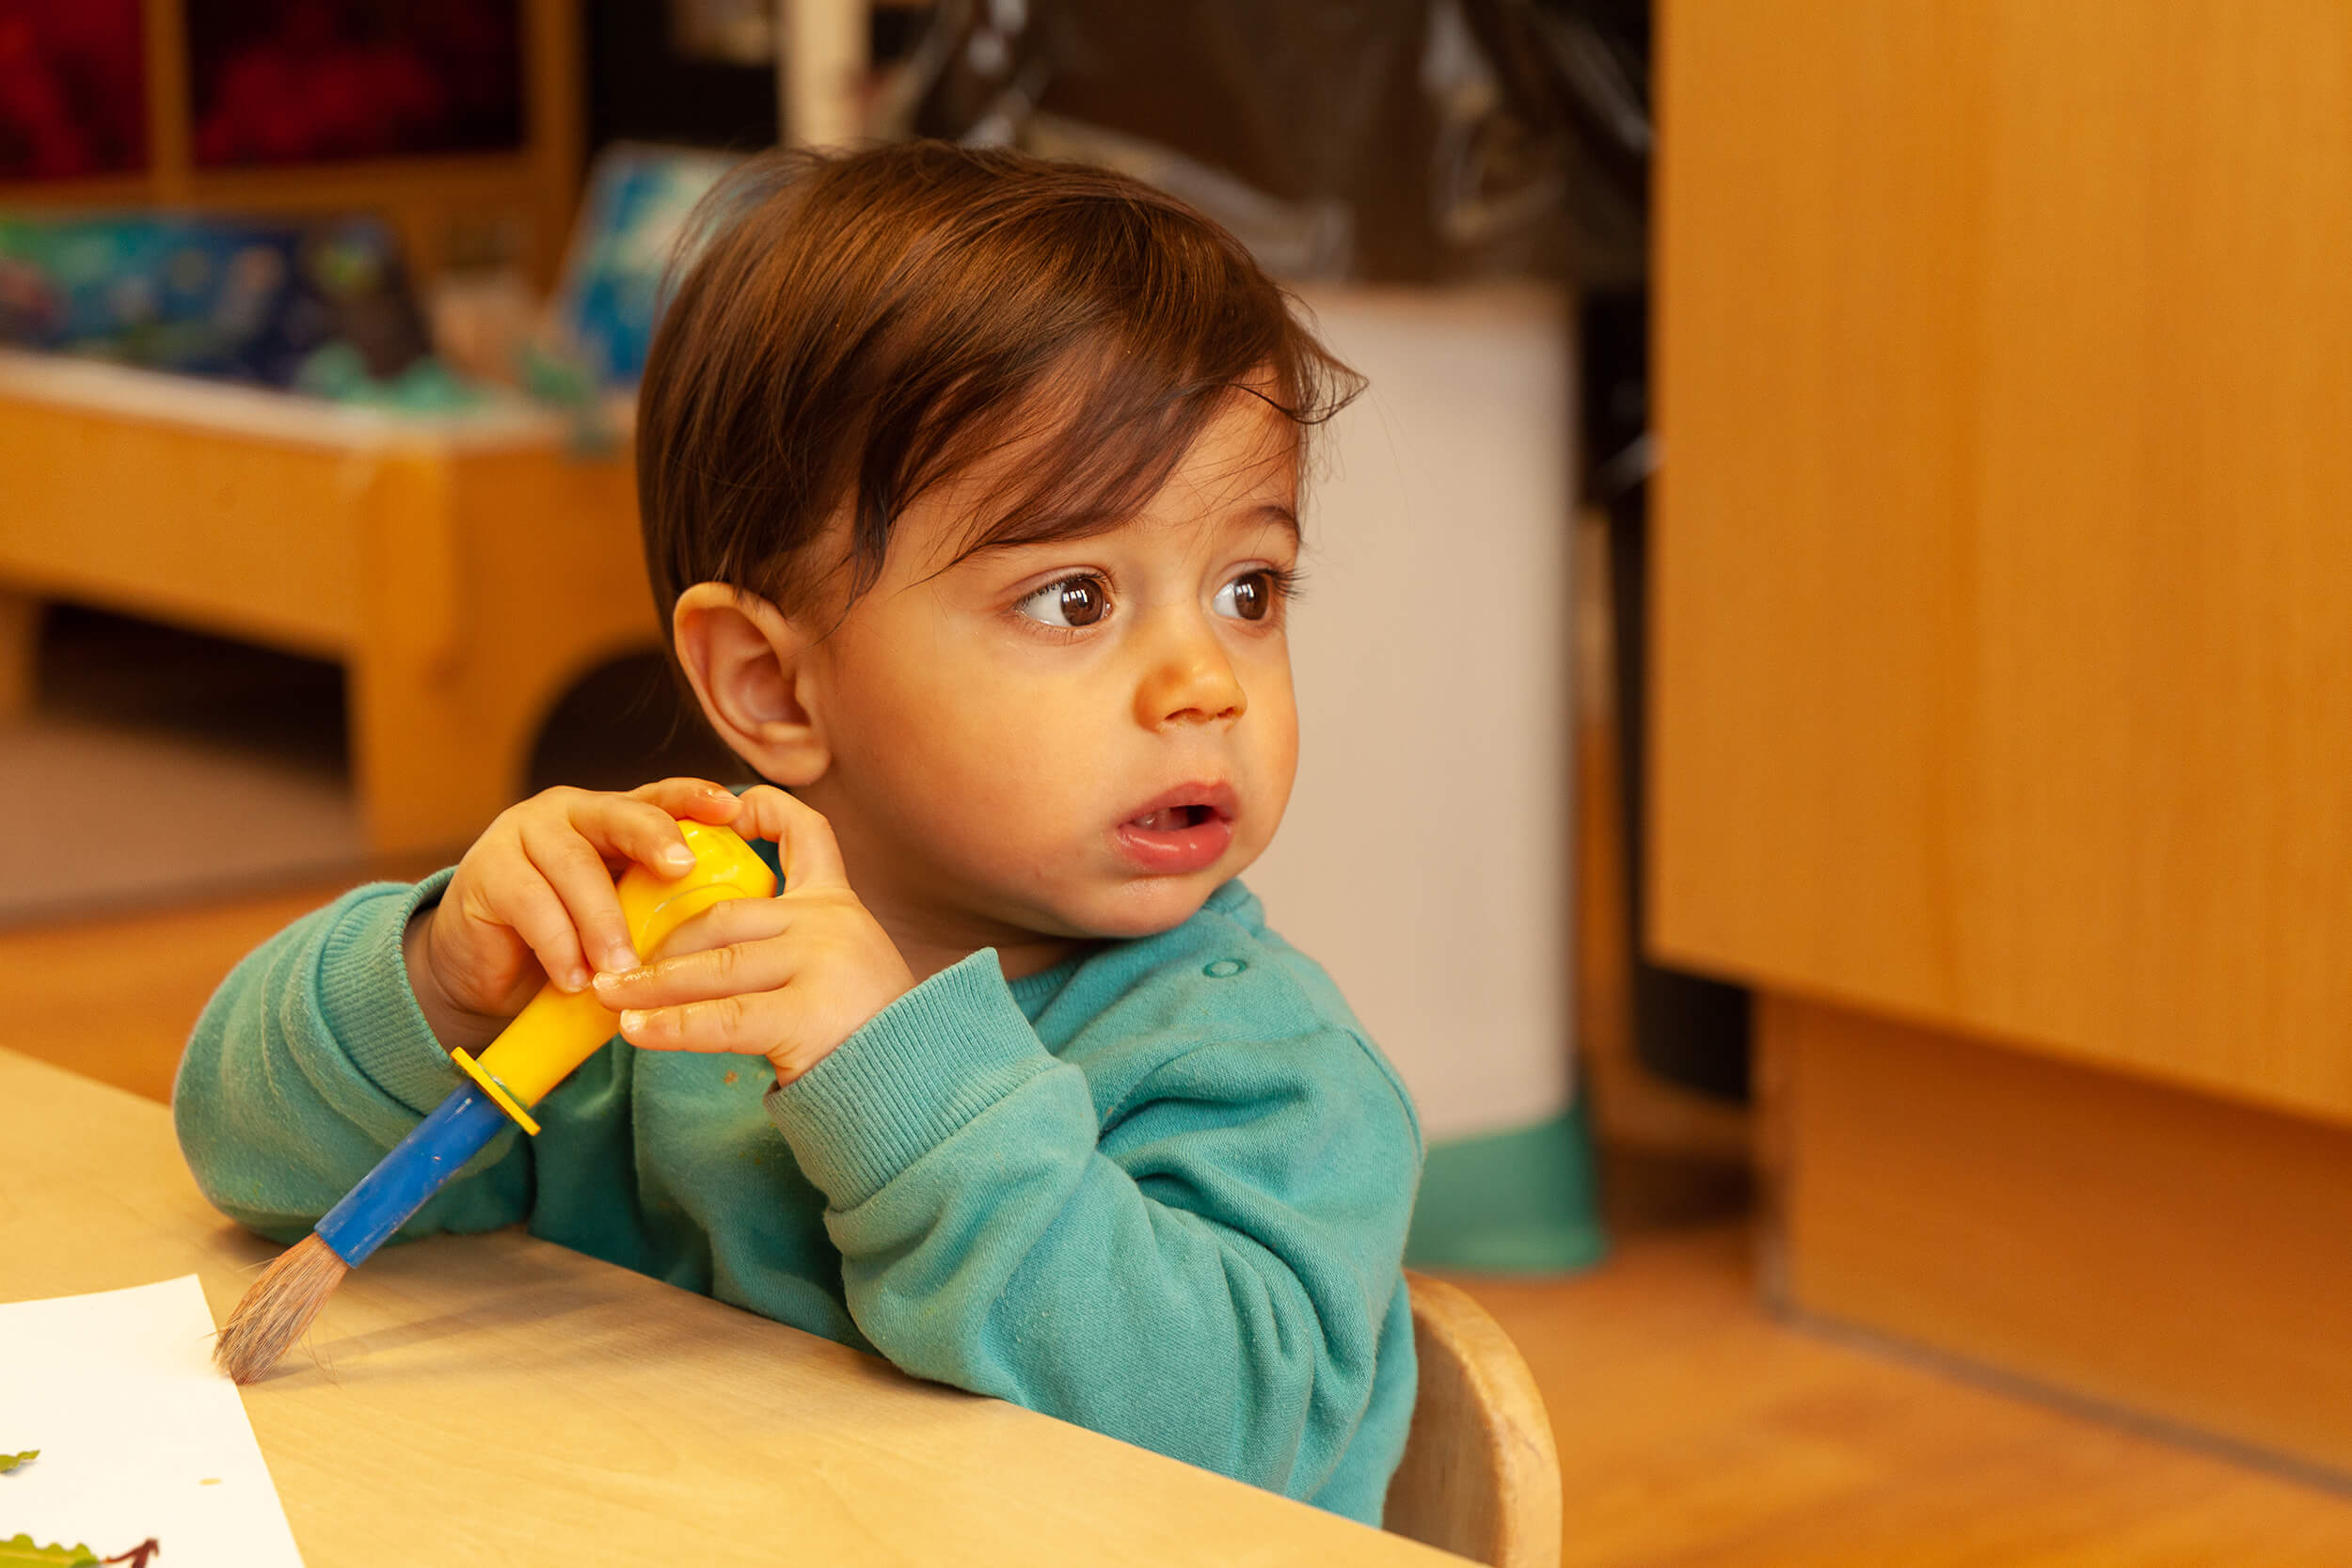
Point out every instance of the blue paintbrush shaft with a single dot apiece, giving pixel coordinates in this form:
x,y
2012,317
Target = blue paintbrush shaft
x,y
459,1128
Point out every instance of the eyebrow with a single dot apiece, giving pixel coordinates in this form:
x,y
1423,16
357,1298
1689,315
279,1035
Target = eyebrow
x,y
1275,511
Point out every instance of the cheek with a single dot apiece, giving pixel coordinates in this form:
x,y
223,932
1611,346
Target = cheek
x,y
1273,703
1277,737
976,763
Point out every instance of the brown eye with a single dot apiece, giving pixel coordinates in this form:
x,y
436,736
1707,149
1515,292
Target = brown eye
x,y
1248,598
1072,602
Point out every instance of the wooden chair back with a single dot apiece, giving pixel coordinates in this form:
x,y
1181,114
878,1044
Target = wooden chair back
x,y
1480,1475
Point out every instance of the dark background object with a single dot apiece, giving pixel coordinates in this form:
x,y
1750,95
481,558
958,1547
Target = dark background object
x,y
311,81
1382,140
641,87
73,89
644,88
1309,102
1688,1029
623,723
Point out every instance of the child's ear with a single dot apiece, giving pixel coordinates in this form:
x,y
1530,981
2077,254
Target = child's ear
x,y
752,672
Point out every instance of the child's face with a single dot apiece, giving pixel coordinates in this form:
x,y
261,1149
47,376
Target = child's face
x,y
1075,739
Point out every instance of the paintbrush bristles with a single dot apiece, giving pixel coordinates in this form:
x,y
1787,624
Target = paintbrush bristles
x,y
277,1309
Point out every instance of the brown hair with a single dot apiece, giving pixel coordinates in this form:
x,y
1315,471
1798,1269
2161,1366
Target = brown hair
x,y
858,327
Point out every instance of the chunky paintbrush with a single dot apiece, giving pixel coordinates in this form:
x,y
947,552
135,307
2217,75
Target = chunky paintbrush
x,y
549,1037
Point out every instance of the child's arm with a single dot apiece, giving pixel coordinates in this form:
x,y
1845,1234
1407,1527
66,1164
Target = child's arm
x,y
328,1044
311,1060
1204,1268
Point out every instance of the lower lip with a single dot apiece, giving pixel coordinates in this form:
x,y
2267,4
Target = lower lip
x,y
1175,852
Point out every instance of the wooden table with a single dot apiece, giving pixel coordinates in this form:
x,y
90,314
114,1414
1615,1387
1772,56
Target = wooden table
x,y
501,1399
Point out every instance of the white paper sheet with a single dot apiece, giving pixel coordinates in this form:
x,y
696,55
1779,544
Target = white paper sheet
x,y
138,1435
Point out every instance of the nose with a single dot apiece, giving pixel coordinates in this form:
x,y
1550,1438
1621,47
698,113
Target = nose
x,y
1188,680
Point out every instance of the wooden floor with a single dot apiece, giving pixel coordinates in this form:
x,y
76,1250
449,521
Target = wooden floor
x,y
1695,1430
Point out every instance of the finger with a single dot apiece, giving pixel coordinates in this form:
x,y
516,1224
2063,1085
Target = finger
x,y
577,872
807,849
736,969
664,980
698,798
750,1025
732,920
527,904
624,829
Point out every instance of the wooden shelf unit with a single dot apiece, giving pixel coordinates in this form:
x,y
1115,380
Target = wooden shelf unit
x,y
463,570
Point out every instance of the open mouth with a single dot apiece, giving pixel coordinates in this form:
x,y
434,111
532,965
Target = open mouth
x,y
1188,829
1169,819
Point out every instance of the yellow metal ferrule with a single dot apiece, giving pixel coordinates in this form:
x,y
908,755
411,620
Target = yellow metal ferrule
x,y
558,1031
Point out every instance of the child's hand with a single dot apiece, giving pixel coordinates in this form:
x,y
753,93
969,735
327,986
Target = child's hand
x,y
787,978
533,900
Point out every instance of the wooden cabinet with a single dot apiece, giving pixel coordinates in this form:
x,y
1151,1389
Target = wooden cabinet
x,y
2003,627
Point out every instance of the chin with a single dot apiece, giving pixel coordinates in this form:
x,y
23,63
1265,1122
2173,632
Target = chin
x,y
1147,907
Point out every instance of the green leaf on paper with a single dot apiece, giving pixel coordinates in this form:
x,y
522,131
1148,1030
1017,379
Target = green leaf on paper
x,y
19,1552
10,1461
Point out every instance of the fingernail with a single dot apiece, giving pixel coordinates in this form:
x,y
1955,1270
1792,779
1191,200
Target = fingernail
x,y
576,979
619,958
632,1020
606,981
679,855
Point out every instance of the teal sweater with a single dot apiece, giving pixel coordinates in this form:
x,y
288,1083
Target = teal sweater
x,y
1160,1191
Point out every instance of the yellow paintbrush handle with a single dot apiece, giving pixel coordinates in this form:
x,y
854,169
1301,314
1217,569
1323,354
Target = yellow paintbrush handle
x,y
557,1030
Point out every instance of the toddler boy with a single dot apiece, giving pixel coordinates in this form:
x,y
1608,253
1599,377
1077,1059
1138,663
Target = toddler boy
x,y
970,487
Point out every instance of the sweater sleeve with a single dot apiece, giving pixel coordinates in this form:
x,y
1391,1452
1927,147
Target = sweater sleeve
x,y
1204,1269
312,1061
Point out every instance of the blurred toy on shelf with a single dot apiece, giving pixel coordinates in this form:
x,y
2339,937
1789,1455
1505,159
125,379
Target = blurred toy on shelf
x,y
252,300
339,373
623,245
481,318
324,306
